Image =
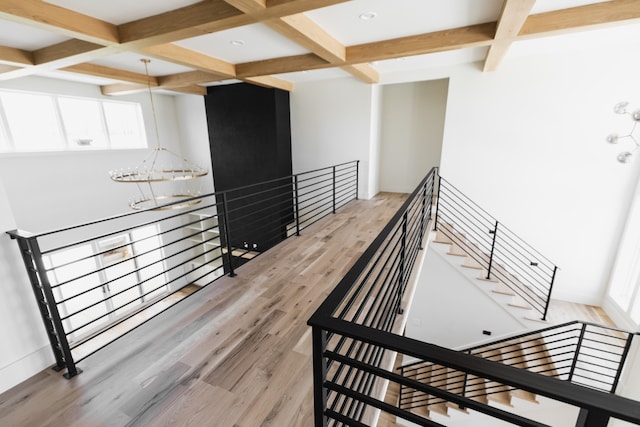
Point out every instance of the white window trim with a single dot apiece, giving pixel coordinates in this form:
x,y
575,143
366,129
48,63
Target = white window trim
x,y
10,149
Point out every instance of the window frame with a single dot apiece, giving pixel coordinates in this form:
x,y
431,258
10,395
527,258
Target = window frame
x,y
8,145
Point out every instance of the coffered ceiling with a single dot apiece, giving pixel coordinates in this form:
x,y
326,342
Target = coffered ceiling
x,y
276,43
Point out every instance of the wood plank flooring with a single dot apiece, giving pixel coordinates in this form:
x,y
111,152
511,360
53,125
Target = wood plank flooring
x,y
234,354
237,353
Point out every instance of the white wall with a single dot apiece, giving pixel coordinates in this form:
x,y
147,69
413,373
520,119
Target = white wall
x,y
25,348
412,130
52,190
527,143
332,122
192,127
43,191
450,311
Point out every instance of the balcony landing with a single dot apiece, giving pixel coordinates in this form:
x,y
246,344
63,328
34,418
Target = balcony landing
x,y
236,353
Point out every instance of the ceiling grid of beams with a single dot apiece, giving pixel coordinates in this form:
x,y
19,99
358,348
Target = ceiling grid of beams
x,y
91,39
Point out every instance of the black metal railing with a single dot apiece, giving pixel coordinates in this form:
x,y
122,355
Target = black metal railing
x,y
97,281
500,252
354,343
583,353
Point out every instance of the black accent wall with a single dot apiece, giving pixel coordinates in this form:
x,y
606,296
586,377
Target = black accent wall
x,y
250,142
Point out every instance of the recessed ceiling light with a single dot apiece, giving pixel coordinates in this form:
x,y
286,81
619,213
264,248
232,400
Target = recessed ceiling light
x,y
367,16
237,42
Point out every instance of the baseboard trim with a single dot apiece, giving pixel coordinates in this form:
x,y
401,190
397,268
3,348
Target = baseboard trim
x,y
22,369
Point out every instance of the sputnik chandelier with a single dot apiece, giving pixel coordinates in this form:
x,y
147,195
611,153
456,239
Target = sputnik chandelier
x,y
626,155
161,167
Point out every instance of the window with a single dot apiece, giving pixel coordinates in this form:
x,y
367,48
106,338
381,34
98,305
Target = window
x,y
31,122
624,289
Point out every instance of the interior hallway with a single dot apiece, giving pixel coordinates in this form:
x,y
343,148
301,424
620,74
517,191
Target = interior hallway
x,y
237,353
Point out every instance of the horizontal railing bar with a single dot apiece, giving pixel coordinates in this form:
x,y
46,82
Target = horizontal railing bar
x,y
619,407
448,396
19,233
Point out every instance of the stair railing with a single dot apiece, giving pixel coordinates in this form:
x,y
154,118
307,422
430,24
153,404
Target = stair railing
x,y
582,353
354,344
91,280
502,254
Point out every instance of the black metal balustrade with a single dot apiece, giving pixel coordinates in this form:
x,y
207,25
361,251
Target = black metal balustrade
x,y
500,252
583,353
355,343
96,282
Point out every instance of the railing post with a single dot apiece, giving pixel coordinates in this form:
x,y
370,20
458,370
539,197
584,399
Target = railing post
x,y
577,352
435,218
38,291
546,305
592,418
623,359
334,189
357,178
493,245
48,308
423,214
401,388
402,266
295,186
227,235
319,343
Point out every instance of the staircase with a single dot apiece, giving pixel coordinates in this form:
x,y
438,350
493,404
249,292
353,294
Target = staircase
x,y
583,353
501,258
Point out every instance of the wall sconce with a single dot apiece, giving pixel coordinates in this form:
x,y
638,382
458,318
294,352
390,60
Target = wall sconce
x,y
614,138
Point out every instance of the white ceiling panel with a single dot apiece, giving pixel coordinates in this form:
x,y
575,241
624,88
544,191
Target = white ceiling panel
x,y
244,44
121,11
132,62
27,38
399,18
75,77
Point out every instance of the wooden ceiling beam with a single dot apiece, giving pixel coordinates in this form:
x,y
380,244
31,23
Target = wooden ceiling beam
x,y
49,17
188,78
580,18
13,56
287,64
439,41
305,32
364,72
190,21
513,15
271,82
190,90
190,58
112,73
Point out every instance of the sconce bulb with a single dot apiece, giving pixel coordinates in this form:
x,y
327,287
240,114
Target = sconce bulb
x,y
612,138
636,115
620,107
624,157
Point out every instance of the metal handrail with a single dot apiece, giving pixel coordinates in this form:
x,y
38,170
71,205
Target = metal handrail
x,y
81,295
348,353
503,254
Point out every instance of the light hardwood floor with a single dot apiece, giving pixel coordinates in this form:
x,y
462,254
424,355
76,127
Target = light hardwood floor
x,y
236,353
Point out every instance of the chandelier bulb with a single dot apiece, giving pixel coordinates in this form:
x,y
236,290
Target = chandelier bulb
x,y
612,138
624,157
620,107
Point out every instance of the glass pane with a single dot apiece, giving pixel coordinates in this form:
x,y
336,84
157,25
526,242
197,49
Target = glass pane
x,y
120,274
82,123
32,121
148,247
84,292
627,266
125,125
635,310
